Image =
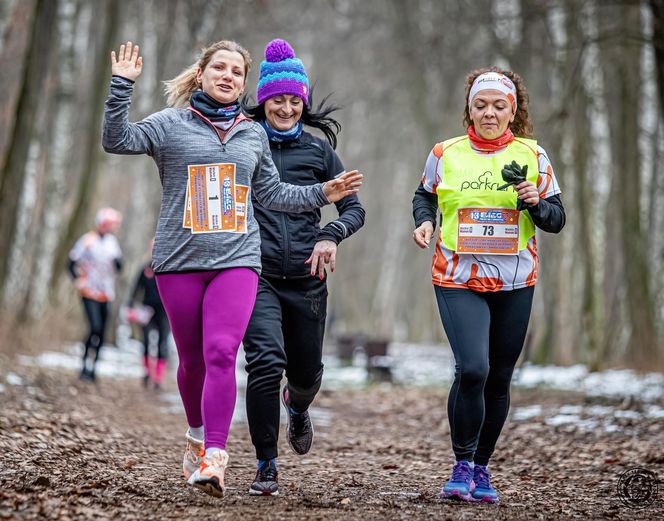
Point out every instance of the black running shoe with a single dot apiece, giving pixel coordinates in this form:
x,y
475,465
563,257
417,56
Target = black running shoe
x,y
300,429
265,483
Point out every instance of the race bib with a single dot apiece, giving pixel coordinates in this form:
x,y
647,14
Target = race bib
x,y
488,231
214,202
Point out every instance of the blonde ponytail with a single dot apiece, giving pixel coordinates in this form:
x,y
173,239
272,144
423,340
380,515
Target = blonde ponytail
x,y
179,89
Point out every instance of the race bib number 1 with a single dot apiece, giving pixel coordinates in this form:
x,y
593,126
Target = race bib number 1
x,y
214,203
488,231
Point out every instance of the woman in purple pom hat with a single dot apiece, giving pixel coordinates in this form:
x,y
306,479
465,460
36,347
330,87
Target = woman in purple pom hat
x,y
213,164
285,332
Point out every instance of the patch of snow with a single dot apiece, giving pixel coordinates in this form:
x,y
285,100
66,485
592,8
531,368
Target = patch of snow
x,y
611,427
562,419
13,379
410,364
613,383
526,413
599,410
565,378
654,411
629,414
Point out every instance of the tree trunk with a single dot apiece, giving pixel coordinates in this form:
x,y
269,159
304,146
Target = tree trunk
x,y
657,9
623,79
13,173
13,61
91,146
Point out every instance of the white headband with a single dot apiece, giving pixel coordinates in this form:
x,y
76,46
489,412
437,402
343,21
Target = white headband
x,y
493,81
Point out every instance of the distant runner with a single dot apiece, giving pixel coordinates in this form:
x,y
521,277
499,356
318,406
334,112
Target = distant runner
x,y
93,262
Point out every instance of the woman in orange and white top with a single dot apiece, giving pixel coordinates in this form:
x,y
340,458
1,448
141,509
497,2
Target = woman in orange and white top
x,y
93,262
485,261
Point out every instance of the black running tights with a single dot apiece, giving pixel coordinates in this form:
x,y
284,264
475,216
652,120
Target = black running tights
x,y
96,314
486,332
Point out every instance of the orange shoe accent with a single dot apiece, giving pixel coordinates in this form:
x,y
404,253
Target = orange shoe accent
x,y
210,475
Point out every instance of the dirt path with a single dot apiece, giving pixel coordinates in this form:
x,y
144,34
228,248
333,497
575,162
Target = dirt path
x,y
71,450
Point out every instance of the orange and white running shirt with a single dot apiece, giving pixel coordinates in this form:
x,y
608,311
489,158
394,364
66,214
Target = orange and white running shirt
x,y
95,257
486,272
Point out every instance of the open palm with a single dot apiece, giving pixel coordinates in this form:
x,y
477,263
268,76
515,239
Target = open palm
x,y
128,63
342,186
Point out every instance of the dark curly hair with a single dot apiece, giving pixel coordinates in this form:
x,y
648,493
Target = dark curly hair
x,y
521,126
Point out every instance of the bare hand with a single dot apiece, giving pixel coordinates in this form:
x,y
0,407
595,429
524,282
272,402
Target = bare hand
x,y
339,187
325,252
128,64
423,233
528,193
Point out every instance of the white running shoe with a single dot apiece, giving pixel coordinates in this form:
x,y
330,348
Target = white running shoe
x,y
193,455
209,477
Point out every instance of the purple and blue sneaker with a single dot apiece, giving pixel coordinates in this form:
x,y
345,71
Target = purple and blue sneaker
x,y
483,490
460,485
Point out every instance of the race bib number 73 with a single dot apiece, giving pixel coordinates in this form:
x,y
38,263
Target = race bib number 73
x,y
488,231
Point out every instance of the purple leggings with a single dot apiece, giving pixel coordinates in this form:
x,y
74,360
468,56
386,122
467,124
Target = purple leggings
x,y
209,312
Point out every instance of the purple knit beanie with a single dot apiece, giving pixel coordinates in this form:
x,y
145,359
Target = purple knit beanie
x,y
281,73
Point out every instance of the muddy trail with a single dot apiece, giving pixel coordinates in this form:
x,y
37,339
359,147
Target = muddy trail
x,y
112,450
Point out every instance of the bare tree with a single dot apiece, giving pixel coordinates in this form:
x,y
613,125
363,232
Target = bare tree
x,y
89,171
12,173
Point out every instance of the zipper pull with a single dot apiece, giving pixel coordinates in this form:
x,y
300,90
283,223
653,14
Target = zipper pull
x,y
223,147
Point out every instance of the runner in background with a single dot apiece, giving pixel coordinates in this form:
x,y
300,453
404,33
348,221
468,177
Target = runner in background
x,y
212,162
151,316
485,261
286,329
93,262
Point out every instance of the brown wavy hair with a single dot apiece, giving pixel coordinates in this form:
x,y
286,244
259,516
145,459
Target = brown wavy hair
x,y
179,89
521,126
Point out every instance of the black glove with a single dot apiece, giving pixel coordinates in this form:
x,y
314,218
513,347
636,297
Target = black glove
x,y
513,174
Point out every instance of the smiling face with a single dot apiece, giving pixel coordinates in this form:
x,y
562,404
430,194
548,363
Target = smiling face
x,y
224,77
284,111
491,113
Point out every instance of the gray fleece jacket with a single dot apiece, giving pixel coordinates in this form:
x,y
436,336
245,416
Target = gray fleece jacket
x,y
177,138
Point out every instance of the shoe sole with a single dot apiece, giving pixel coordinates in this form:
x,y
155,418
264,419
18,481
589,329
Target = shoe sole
x,y
209,486
485,499
313,433
457,495
253,492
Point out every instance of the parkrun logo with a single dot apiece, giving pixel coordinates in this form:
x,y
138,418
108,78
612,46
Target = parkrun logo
x,y
484,182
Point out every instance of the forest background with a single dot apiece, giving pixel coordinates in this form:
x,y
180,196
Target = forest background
x,y
595,74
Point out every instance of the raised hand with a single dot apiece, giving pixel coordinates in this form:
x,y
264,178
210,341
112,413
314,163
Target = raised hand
x,y
342,186
128,63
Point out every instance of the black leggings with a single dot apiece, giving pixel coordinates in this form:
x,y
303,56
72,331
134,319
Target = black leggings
x,y
285,333
96,314
158,323
486,332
